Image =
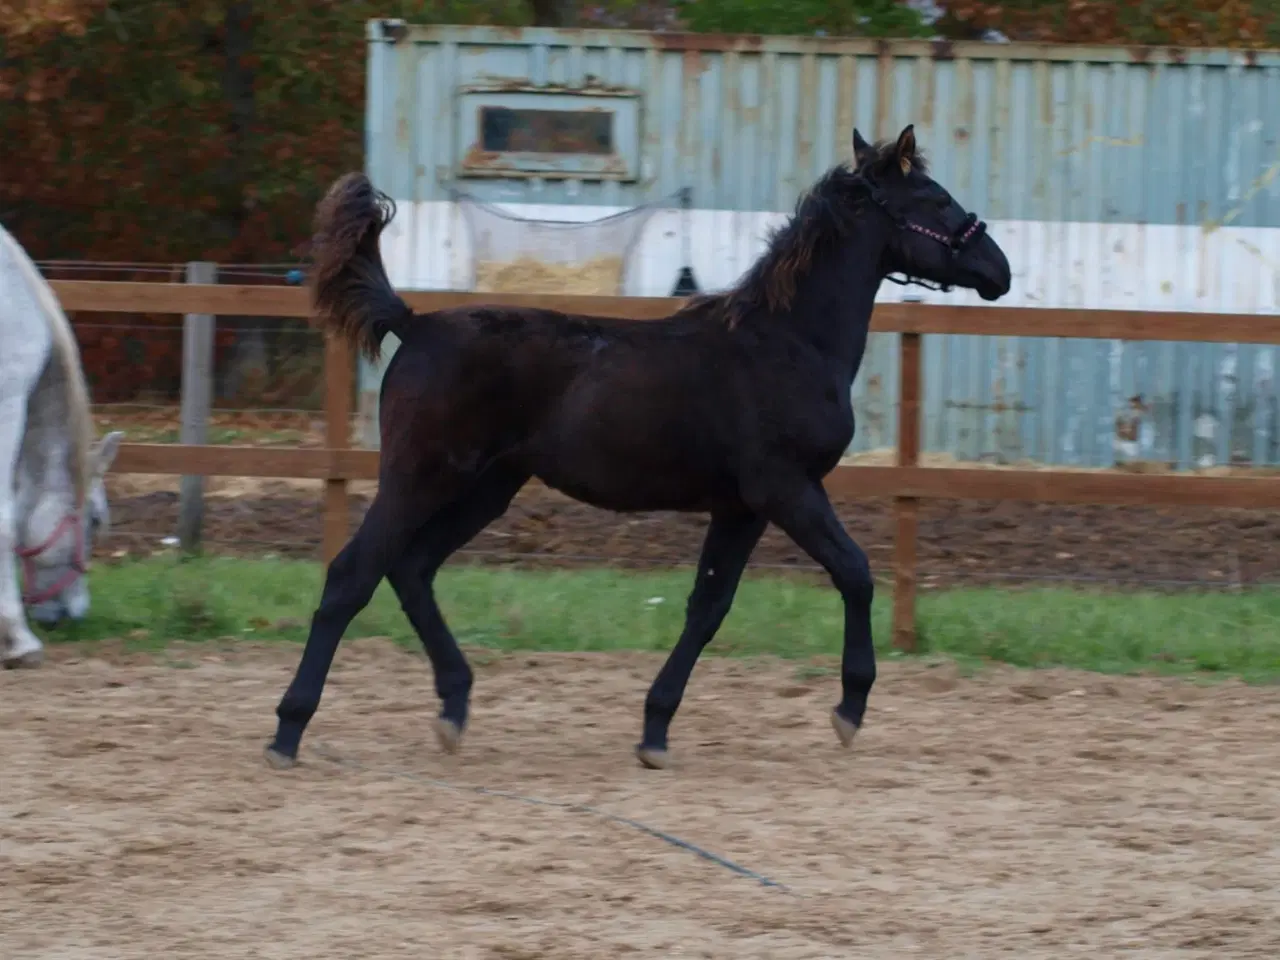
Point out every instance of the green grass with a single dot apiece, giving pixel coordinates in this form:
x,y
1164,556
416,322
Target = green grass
x,y
151,602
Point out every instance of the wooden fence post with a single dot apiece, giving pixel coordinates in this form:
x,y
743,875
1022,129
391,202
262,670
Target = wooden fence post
x,y
906,509
197,399
339,363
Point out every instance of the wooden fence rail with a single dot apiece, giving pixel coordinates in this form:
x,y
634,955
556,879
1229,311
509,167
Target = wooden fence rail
x,y
907,483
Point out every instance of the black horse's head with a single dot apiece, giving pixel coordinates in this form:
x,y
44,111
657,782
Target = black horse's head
x,y
931,237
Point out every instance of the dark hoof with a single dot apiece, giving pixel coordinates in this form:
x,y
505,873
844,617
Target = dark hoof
x,y
846,730
27,661
655,758
277,760
449,734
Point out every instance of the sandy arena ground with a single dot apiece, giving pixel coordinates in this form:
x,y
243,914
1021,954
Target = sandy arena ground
x,y
1010,815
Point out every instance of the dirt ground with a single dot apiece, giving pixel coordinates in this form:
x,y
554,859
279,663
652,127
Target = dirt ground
x,y
1007,815
960,542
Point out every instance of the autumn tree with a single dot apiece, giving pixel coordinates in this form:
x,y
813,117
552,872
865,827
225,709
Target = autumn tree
x,y
43,18
871,18
552,13
207,129
1181,23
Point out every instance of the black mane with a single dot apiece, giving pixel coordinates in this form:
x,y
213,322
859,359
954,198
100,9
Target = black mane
x,y
825,216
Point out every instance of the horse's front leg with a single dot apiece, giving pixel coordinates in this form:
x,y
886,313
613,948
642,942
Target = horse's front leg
x,y
19,647
804,512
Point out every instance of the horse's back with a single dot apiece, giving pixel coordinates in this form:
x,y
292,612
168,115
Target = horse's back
x,y
627,415
25,337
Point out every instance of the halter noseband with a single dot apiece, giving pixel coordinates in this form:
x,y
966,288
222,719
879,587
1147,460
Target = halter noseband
x,y
970,229
78,567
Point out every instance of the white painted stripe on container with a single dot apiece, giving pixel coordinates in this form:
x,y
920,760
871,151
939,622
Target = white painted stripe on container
x,y
1088,265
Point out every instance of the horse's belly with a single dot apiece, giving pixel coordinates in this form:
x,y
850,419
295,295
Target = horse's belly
x,y
615,474
626,440
625,484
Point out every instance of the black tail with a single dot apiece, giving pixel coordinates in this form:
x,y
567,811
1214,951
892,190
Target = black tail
x,y
350,292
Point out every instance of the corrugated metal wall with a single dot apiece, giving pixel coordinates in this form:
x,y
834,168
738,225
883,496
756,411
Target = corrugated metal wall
x,y
1142,179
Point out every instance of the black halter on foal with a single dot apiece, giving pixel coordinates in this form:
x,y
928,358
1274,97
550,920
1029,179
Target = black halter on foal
x,y
964,235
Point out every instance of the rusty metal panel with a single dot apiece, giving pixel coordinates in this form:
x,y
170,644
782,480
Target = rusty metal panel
x,y
1115,177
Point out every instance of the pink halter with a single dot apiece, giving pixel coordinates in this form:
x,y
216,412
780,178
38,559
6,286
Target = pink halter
x,y
78,565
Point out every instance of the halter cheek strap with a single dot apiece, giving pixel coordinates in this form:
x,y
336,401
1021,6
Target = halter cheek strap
x,y
969,231
77,569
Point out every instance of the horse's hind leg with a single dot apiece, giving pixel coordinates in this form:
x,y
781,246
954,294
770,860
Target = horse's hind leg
x,y
19,647
725,551
393,519
413,578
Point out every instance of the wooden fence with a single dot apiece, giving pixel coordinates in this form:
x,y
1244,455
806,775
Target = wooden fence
x,y
907,482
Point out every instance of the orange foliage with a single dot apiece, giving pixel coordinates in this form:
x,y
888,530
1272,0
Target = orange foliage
x,y
1178,23
26,17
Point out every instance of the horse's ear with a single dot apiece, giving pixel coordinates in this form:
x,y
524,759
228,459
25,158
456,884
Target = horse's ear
x,y
104,452
861,149
906,147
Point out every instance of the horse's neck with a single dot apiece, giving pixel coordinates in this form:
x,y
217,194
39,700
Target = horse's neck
x,y
62,430
832,305
44,459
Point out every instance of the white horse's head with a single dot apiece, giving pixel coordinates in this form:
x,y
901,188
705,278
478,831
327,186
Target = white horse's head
x,y
55,539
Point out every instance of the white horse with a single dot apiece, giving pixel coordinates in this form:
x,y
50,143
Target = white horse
x,y
52,499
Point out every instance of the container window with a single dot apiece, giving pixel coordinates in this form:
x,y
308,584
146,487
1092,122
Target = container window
x,y
511,130
548,132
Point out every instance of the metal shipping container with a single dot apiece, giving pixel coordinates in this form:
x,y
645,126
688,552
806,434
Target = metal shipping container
x,y
1135,178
